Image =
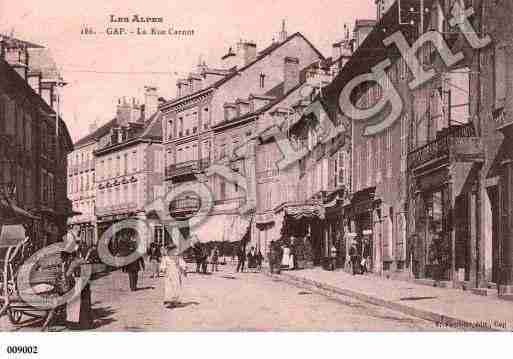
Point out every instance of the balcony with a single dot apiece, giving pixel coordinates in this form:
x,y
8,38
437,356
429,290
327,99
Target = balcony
x,y
236,200
268,174
186,168
457,143
184,206
117,208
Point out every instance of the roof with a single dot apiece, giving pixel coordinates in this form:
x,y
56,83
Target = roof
x,y
23,42
277,92
96,134
371,52
150,130
41,60
11,77
262,54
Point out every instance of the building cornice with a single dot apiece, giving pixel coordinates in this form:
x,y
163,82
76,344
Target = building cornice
x,y
186,100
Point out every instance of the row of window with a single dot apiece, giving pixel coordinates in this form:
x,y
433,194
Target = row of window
x,y
187,124
373,159
47,188
22,177
79,158
117,165
80,183
84,207
15,121
122,194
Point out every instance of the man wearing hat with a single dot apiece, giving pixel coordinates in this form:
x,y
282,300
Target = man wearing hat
x,y
133,269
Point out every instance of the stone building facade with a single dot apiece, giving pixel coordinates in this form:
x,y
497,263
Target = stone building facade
x,y
129,168
34,141
213,115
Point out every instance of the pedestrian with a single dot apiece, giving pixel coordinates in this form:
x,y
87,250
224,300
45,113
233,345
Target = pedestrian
x,y
215,259
365,255
294,252
354,258
175,270
333,257
259,260
154,255
285,261
133,269
252,258
78,309
204,259
197,251
278,257
270,257
241,257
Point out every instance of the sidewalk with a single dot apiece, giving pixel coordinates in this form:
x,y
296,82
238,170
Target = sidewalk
x,y
445,306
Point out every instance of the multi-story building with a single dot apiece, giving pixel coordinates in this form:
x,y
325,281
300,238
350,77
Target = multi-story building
x,y
34,141
494,91
214,113
376,209
129,165
81,186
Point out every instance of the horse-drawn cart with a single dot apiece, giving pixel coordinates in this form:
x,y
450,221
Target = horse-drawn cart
x,y
31,294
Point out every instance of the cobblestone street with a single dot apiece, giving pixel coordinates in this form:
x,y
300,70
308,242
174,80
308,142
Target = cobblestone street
x,y
233,301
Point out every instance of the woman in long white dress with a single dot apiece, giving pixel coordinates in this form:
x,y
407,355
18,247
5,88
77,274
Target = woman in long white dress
x,y
175,269
285,259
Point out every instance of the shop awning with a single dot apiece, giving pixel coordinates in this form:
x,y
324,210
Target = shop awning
x,y
305,211
221,227
11,235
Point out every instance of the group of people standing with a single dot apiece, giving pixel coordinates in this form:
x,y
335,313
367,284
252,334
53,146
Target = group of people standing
x,y
254,258
360,258
281,256
163,260
202,256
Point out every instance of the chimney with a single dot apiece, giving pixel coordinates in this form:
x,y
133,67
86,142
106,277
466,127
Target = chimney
x,y
151,101
242,106
246,51
195,82
182,86
123,112
290,73
230,111
283,33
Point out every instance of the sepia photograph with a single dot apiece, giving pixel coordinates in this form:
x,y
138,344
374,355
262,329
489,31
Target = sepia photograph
x,y
235,166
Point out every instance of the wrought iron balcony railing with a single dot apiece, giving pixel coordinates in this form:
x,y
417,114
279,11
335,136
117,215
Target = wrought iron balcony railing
x,y
184,205
187,167
440,147
268,173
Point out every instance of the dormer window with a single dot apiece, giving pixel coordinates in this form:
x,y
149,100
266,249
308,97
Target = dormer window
x,y
262,81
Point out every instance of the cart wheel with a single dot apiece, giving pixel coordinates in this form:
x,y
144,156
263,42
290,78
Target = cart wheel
x,y
14,315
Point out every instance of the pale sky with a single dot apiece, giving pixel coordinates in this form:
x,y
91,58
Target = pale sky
x,y
217,25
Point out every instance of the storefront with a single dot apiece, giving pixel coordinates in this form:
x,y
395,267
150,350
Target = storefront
x,y
445,244
305,221
363,215
500,191
336,227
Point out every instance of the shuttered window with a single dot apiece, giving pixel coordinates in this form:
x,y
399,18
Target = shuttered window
x,y
500,76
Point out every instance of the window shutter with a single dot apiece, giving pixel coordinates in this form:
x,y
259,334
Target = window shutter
x,y
500,76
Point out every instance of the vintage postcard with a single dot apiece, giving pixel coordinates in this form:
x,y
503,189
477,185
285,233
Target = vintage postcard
x,y
193,166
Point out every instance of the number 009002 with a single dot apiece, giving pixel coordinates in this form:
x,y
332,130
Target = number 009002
x,y
22,349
